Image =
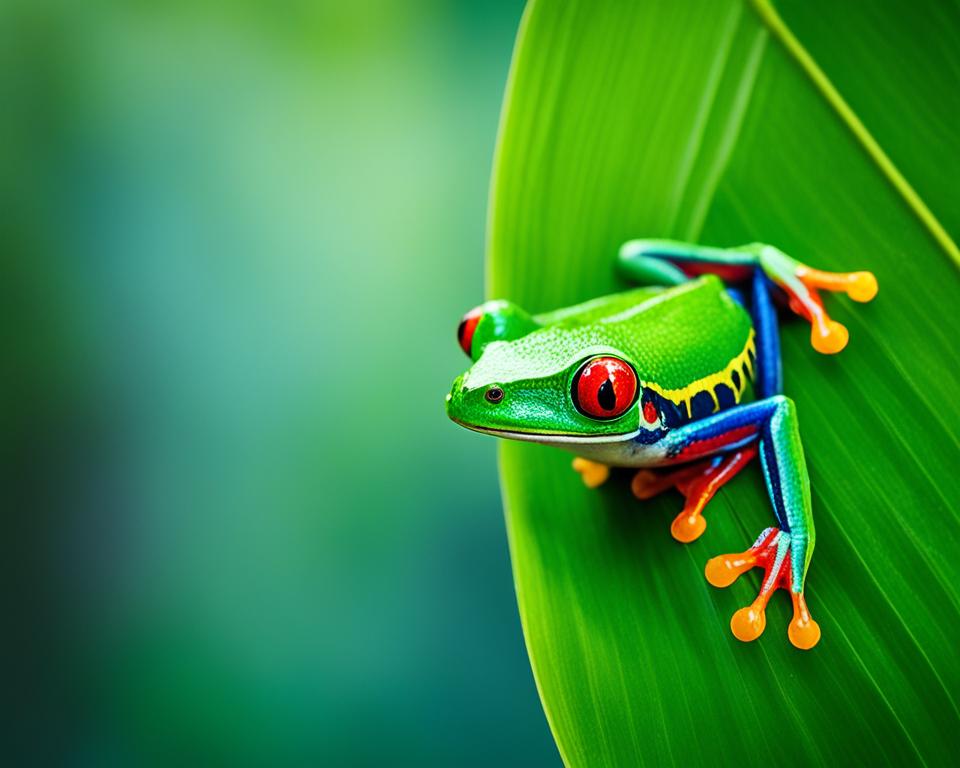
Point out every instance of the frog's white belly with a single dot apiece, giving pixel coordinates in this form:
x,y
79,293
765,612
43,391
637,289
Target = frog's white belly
x,y
614,450
625,452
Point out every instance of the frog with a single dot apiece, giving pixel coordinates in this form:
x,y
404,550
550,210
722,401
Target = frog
x,y
677,379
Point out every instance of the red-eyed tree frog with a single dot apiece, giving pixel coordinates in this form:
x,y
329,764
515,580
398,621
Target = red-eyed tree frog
x,y
680,380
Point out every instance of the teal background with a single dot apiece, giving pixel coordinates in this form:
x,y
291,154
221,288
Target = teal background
x,y
237,240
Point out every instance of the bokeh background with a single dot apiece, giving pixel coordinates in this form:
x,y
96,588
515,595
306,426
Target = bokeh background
x,y
237,239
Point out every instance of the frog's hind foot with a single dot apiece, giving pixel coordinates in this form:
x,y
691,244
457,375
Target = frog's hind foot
x,y
592,473
771,551
698,483
802,284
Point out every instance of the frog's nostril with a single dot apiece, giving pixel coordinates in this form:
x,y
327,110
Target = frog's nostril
x,y
494,395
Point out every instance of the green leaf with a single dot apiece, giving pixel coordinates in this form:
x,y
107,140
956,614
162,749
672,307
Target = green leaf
x,y
830,132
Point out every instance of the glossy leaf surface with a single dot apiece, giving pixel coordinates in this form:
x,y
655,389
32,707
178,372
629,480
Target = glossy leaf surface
x,y
698,121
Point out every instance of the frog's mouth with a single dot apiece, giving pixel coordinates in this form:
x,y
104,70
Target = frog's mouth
x,y
558,438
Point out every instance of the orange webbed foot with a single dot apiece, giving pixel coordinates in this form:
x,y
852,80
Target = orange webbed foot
x,y
771,551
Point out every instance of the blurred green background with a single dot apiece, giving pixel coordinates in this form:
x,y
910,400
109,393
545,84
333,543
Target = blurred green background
x,y
237,240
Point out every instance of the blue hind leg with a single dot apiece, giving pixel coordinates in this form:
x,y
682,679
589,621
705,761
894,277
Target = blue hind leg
x,y
770,369
659,262
669,262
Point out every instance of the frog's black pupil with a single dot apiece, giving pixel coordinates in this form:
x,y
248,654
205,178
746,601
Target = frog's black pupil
x,y
460,329
606,396
494,394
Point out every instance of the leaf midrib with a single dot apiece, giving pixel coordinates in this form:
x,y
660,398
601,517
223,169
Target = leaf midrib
x,y
778,27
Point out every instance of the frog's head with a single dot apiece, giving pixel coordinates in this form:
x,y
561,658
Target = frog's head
x,y
556,383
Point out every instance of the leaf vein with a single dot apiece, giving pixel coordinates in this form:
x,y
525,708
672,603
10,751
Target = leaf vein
x,y
779,28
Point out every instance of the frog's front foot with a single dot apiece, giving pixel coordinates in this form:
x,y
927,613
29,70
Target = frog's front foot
x,y
593,474
697,482
771,551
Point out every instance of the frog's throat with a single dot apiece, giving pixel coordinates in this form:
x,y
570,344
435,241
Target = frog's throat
x,y
742,365
550,438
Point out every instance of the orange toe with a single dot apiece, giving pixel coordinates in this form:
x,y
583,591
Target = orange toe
x,y
686,527
829,338
723,570
594,475
859,286
804,634
646,484
748,623
803,631
863,286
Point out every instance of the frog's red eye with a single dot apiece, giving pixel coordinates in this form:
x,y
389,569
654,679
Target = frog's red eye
x,y
604,388
466,328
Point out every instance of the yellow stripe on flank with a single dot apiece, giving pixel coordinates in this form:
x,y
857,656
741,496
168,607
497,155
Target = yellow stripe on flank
x,y
684,397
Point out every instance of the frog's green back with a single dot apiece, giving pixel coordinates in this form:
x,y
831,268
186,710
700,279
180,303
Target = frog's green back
x,y
675,336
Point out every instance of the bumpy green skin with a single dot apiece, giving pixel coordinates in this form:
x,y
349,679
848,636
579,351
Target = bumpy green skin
x,y
672,337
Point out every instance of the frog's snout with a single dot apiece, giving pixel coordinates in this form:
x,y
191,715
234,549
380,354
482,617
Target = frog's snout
x,y
454,397
462,403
